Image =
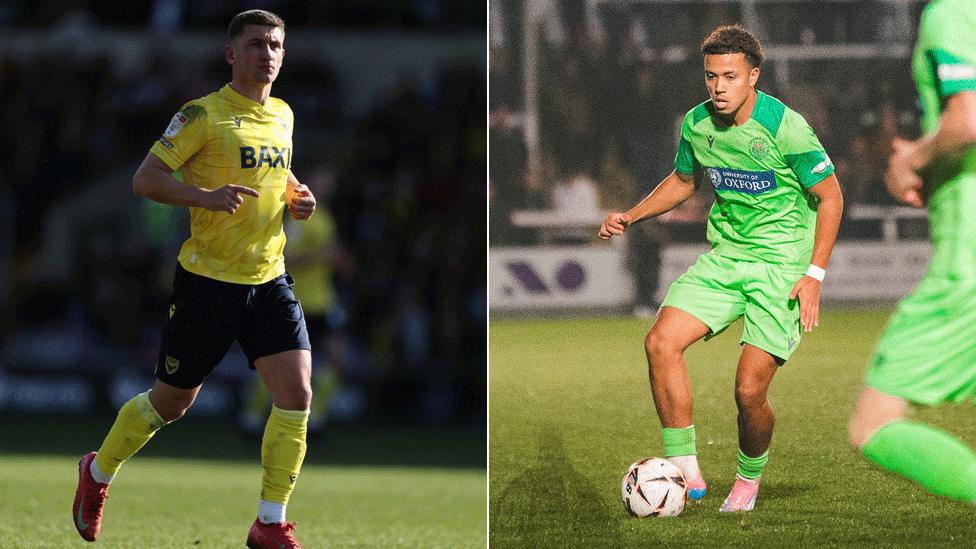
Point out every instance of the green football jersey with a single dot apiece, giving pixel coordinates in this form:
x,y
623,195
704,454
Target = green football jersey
x,y
760,172
944,63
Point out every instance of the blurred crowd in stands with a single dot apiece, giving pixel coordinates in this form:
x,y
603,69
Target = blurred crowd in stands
x,y
426,15
615,82
86,266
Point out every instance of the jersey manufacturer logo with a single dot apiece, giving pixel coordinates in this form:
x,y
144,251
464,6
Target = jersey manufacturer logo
x,y
759,148
272,157
711,139
236,120
741,181
790,342
172,364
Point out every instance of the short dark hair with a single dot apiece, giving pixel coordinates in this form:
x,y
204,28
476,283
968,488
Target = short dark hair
x,y
253,17
733,39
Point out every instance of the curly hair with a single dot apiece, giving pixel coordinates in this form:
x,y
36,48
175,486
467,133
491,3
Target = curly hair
x,y
733,39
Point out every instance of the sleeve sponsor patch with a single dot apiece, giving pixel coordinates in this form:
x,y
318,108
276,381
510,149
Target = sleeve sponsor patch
x,y
810,167
182,118
956,71
821,167
953,74
165,142
175,125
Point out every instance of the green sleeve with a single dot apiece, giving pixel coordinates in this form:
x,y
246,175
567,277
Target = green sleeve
x,y
948,29
803,151
684,161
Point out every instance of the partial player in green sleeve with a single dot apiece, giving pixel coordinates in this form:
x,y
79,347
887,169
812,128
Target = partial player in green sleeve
x,y
772,228
927,354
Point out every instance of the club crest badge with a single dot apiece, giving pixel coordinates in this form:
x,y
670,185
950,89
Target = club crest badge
x,y
759,148
172,364
714,176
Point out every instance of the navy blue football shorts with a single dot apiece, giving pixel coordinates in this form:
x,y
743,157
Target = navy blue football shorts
x,y
207,315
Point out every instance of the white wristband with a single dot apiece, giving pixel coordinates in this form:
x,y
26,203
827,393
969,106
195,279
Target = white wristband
x,y
816,272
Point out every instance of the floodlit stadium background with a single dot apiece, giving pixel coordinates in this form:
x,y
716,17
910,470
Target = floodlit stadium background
x,y
389,101
584,103
586,98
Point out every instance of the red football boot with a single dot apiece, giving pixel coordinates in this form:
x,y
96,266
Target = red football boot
x,y
272,536
89,500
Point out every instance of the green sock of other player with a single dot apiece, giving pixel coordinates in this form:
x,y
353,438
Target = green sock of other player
x,y
931,457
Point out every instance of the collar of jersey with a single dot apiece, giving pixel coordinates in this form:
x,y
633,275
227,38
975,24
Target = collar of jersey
x,y
233,96
760,99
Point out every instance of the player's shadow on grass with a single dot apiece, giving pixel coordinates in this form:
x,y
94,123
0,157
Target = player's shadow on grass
x,y
783,490
551,504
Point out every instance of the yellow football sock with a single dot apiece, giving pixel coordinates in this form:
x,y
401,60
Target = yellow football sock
x,y
282,452
135,425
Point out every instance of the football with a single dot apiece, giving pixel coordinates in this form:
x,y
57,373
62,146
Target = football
x,y
653,487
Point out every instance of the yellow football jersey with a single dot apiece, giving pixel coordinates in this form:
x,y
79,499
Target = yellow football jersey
x,y
226,138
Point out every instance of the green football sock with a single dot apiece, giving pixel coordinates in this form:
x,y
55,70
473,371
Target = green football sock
x,y
933,458
752,467
679,442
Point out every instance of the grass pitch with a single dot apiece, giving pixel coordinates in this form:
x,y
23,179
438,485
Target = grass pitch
x,y
570,409
359,487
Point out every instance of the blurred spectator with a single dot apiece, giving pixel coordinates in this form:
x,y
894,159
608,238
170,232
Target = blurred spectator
x,y
315,258
576,196
507,172
6,248
645,247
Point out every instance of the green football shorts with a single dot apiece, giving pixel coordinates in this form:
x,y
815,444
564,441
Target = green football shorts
x,y
927,353
718,290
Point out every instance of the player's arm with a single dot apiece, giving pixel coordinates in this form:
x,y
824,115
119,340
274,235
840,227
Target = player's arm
x,y
829,213
673,190
301,202
154,180
954,136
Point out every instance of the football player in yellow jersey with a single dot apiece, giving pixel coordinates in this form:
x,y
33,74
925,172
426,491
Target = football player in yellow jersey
x,y
234,150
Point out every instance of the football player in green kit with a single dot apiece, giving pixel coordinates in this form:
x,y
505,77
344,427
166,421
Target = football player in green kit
x,y
927,354
772,228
